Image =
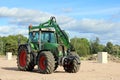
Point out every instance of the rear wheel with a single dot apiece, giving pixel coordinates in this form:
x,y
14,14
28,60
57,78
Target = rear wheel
x,y
72,66
24,61
46,62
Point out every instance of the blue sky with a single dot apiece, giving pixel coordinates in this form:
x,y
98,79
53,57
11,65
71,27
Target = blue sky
x,y
80,18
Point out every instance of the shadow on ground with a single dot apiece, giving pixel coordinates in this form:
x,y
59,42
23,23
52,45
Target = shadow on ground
x,y
16,69
59,72
10,68
34,71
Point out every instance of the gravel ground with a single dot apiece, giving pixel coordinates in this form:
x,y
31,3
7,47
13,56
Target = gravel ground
x,y
89,70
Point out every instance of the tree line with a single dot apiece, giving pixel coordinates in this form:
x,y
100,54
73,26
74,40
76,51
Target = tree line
x,y
10,43
84,47
81,46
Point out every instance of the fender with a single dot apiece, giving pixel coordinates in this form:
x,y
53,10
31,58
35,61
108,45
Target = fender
x,y
27,46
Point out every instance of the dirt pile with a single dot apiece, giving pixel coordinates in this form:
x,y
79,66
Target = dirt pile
x,y
113,58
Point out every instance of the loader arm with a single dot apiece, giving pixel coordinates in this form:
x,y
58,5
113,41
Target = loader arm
x,y
52,23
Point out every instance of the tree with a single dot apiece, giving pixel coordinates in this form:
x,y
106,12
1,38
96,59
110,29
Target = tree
x,y
10,43
96,46
81,46
116,50
1,45
109,48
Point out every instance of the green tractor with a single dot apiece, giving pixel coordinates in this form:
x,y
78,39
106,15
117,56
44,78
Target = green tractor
x,y
48,46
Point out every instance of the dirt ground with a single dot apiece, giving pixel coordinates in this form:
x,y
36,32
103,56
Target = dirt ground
x,y
89,70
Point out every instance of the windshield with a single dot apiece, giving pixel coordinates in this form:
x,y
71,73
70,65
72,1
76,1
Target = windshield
x,y
48,37
33,36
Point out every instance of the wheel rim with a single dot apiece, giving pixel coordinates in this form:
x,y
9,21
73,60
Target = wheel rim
x,y
23,58
42,62
69,66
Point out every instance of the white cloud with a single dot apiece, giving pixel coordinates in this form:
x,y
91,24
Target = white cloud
x,y
85,27
22,16
5,12
12,30
21,12
94,25
91,25
94,11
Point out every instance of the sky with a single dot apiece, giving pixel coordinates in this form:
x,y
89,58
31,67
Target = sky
x,y
80,18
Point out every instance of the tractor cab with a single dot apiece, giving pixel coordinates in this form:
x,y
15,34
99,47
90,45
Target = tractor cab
x,y
37,38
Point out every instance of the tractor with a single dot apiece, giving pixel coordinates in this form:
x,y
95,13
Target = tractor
x,y
48,47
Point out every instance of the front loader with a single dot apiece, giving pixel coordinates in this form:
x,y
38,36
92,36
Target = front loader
x,y
48,47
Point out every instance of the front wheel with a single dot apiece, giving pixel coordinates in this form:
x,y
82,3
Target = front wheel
x,y
72,65
46,62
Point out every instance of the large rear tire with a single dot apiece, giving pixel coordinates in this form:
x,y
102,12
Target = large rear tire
x,y
24,61
73,66
46,62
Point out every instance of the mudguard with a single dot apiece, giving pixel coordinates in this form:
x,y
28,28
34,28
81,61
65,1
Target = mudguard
x,y
26,45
